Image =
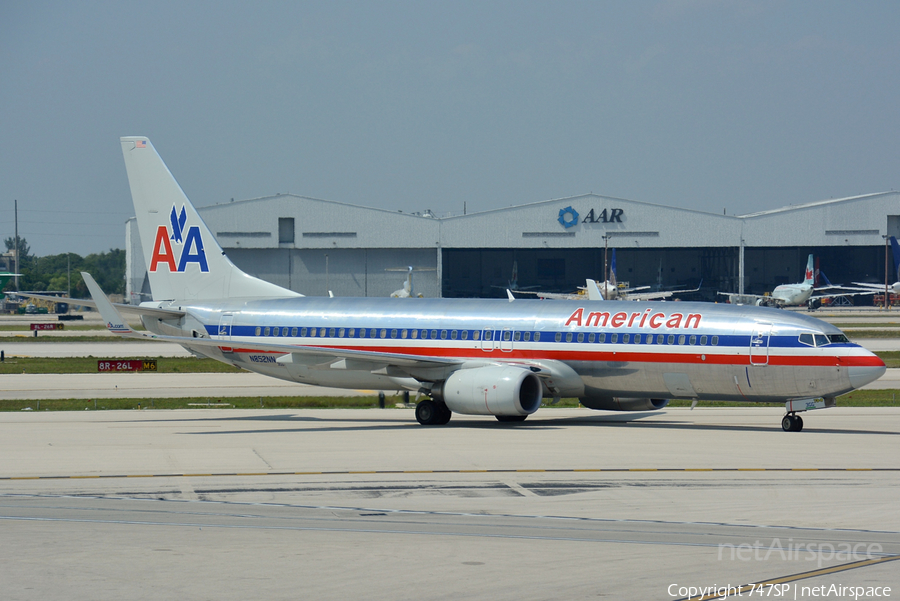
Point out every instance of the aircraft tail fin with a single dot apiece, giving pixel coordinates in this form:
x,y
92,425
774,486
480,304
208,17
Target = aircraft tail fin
x,y
810,275
593,290
184,261
895,249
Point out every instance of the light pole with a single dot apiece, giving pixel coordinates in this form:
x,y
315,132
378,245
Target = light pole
x,y
887,304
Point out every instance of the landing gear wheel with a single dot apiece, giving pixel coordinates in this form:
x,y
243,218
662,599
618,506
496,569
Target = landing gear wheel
x,y
445,414
511,418
792,423
427,413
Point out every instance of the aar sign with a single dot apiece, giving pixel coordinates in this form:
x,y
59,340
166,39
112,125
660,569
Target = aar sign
x,y
569,217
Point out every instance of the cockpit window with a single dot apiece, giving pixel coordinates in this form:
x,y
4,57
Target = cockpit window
x,y
807,339
821,340
838,339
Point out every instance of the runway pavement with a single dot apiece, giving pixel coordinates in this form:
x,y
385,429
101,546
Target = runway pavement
x,y
343,504
147,385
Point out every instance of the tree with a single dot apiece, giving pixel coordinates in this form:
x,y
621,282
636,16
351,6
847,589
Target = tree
x,y
24,249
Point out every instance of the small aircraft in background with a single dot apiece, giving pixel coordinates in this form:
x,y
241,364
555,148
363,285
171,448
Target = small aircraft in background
x,y
407,290
610,290
513,283
895,287
795,295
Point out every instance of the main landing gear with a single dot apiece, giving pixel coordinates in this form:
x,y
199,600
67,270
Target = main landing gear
x,y
792,423
432,413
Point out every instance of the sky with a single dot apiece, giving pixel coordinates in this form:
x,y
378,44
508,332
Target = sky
x,y
716,106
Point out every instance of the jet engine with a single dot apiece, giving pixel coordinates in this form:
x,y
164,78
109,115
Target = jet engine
x,y
620,404
495,390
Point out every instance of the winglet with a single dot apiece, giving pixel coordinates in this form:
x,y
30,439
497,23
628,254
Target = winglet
x,y
114,321
593,290
509,294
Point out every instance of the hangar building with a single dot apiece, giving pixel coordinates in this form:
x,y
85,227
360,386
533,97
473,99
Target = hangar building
x,y
312,246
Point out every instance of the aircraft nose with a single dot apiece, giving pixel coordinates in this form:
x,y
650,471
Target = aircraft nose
x,y
860,375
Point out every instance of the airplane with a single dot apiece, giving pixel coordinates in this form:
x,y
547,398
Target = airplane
x,y
407,290
513,283
895,287
470,356
5,277
610,290
794,295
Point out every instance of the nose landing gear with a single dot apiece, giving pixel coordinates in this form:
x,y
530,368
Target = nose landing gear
x,y
792,423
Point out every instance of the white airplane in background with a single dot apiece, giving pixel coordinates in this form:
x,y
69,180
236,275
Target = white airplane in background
x,y
471,356
795,295
407,290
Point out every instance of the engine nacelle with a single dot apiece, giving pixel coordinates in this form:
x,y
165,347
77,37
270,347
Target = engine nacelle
x,y
620,404
494,390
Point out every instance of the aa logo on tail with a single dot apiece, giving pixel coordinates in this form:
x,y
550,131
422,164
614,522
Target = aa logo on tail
x,y
188,244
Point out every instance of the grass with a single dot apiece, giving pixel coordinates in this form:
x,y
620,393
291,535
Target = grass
x,y
888,324
88,365
859,398
185,365
200,403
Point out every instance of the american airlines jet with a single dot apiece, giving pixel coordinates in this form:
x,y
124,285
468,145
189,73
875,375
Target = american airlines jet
x,y
470,356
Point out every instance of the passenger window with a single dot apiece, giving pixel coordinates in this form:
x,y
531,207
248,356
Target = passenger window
x,y
614,338
351,332
331,333
465,334
434,334
294,332
693,340
558,336
821,340
275,331
284,331
258,330
393,334
453,334
681,339
601,338
266,332
414,334
568,336
649,338
527,336
517,336
715,340
403,333
591,337
580,336
703,341
807,339
670,339
660,338
626,338
476,335
383,333
443,334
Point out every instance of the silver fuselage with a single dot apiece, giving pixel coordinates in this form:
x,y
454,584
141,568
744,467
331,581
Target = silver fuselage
x,y
596,349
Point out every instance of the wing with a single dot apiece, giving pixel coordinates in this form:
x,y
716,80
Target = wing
x,y
849,292
375,360
149,311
